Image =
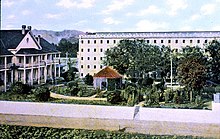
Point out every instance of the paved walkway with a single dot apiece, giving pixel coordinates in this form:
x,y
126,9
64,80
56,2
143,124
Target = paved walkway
x,y
145,127
54,95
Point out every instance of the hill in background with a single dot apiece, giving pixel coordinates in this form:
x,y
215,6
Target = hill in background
x,y
56,36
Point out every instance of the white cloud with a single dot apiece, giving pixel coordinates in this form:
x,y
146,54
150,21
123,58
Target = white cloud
x,y
77,4
23,0
8,26
186,28
145,25
117,5
111,21
152,9
26,12
11,17
195,17
217,27
8,3
205,10
208,9
53,16
81,22
89,30
175,6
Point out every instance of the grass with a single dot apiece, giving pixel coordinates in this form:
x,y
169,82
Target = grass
x,y
12,132
31,98
205,104
86,102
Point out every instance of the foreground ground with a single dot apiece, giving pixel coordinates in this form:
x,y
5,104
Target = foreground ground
x,y
11,132
127,126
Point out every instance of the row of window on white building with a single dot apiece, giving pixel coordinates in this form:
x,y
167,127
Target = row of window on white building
x,y
148,41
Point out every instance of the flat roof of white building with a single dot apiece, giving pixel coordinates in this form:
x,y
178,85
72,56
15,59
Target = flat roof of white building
x,y
174,34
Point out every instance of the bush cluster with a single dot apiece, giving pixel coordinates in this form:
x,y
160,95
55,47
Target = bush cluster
x,y
42,93
20,88
22,132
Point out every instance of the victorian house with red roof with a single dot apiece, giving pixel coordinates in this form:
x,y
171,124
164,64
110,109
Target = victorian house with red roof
x,y
26,58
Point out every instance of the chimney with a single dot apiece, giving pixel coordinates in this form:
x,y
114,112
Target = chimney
x,y
29,28
38,39
23,29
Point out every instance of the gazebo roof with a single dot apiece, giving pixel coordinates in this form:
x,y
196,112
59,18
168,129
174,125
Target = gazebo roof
x,y
107,72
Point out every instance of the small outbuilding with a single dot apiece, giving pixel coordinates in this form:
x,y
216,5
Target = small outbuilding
x,y
107,79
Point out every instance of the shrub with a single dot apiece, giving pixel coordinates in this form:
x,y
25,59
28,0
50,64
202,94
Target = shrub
x,y
217,89
147,81
168,94
198,100
72,83
20,88
114,97
1,82
42,93
74,91
88,79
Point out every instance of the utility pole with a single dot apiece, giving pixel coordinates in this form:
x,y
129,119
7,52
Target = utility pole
x,y
171,70
0,14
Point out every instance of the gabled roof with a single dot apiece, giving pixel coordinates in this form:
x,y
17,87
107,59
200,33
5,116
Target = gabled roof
x,y
46,48
10,39
3,50
107,72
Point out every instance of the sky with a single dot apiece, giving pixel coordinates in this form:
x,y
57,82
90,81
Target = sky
x,y
112,15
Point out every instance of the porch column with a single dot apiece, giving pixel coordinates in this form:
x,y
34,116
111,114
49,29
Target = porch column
x,y
55,66
59,66
51,64
45,69
100,83
106,84
24,69
12,76
32,64
5,78
38,73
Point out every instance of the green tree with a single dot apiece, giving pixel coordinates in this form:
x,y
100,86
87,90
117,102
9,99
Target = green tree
x,y
135,58
88,79
65,46
191,72
70,74
213,50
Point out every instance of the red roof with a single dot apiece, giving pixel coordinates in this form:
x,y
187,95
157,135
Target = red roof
x,y
107,72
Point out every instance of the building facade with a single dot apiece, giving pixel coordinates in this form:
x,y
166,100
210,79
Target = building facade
x,y
26,58
93,45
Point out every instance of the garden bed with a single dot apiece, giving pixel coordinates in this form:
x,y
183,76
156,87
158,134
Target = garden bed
x,y
11,132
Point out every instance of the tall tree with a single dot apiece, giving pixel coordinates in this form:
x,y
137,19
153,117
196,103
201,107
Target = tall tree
x,y
213,50
134,57
65,46
192,69
192,73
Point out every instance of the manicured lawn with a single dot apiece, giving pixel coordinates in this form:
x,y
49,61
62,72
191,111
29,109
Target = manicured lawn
x,y
206,104
24,132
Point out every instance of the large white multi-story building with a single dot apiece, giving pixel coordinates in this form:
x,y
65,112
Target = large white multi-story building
x,y
93,45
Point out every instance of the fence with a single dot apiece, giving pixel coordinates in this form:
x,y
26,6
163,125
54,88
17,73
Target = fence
x,y
112,112
137,119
